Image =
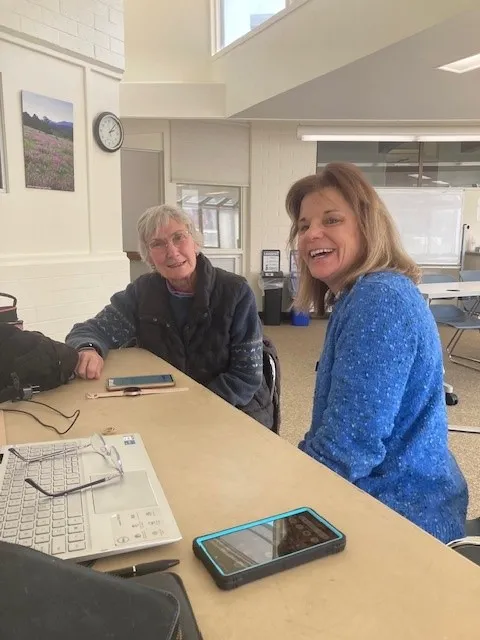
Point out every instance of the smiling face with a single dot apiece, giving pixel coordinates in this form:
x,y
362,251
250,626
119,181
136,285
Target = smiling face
x,y
172,251
329,238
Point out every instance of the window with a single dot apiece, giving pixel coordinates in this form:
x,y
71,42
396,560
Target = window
x,y
451,164
386,164
408,164
235,18
215,212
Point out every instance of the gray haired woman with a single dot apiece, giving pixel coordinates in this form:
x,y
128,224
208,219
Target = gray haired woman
x,y
201,319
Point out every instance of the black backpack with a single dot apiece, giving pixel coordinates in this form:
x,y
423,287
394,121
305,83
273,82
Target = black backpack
x,y
31,361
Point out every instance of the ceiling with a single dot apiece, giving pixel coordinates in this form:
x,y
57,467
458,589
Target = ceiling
x,y
400,82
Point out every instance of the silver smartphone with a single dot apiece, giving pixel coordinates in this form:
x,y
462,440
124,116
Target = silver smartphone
x,y
141,382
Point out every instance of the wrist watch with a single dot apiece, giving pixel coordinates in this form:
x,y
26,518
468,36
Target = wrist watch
x,y
133,391
87,346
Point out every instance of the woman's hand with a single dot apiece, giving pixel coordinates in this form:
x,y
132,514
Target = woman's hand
x,y
89,365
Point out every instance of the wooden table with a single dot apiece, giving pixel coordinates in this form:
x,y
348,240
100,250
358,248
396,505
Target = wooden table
x,y
220,468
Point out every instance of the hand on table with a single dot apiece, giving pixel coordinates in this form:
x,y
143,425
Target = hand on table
x,y
89,365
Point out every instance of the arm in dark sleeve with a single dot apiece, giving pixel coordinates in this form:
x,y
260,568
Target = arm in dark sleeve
x,y
239,384
374,353
112,328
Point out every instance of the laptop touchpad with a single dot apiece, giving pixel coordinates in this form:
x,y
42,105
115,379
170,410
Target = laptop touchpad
x,y
131,491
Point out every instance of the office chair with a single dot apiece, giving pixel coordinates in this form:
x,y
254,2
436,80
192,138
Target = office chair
x,y
450,397
271,372
470,304
458,319
469,546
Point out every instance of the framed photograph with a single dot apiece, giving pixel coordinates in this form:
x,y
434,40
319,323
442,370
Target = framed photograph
x,y
271,260
47,142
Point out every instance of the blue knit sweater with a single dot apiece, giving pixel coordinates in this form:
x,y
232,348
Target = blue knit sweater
x,y
379,417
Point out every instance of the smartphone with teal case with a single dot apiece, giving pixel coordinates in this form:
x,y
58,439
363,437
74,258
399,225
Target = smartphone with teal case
x,y
261,548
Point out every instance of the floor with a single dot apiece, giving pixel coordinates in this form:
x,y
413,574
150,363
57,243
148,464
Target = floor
x,y
299,349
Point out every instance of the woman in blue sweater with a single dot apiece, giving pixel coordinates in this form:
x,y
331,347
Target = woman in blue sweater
x,y
379,417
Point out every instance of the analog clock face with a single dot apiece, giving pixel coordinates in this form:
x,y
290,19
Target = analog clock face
x,y
109,132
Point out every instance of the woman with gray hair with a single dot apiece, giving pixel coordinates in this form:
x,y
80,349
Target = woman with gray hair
x,y
201,319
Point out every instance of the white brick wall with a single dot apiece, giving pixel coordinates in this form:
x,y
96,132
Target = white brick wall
x,y
52,297
91,28
278,158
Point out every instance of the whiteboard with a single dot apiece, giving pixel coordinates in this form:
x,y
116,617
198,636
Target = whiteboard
x,y
429,222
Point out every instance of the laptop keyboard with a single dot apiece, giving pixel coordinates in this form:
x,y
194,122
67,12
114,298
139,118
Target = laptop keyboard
x,y
27,517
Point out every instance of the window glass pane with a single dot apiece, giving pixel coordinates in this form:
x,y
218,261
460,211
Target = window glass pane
x,y
451,164
386,164
238,17
215,212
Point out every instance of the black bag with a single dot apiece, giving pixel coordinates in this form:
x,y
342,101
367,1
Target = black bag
x,y
45,598
28,359
171,582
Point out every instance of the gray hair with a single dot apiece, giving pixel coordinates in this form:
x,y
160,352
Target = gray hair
x,y
160,216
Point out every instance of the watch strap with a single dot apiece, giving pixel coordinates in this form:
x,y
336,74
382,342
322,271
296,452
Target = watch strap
x,y
133,391
88,346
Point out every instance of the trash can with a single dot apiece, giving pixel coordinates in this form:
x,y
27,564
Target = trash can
x,y
297,318
271,283
8,313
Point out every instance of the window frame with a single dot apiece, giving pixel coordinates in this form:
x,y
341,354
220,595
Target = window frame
x,y
237,254
216,25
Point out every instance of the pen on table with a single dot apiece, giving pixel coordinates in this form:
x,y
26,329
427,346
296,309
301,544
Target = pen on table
x,y
143,569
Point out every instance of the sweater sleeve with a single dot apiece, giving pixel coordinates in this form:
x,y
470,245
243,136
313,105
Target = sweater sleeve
x,y
113,327
374,350
239,384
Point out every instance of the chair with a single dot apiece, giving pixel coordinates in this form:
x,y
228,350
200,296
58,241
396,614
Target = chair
x,y
461,321
458,319
271,372
470,304
450,397
469,547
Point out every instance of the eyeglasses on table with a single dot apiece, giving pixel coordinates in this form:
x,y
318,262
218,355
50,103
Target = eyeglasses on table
x,y
97,443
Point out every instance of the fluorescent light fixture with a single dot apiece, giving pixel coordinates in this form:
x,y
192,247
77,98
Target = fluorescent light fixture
x,y
308,134
446,184
355,137
462,66
415,175
447,137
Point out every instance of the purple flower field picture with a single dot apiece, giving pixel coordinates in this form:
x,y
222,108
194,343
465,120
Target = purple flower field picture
x,y
47,142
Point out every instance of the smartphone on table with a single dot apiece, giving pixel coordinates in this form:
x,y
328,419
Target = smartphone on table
x,y
261,548
140,382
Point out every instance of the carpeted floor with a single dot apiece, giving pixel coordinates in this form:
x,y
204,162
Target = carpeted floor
x,y
299,349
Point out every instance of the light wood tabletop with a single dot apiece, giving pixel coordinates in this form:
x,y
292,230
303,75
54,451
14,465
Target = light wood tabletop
x,y
219,468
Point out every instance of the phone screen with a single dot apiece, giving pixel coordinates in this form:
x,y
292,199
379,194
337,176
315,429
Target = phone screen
x,y
139,381
262,543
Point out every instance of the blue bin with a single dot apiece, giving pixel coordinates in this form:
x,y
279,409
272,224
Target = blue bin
x,y
299,319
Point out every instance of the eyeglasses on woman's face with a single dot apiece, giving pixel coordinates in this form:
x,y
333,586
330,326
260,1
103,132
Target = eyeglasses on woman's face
x,y
177,240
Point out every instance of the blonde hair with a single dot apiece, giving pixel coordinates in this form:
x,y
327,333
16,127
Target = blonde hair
x,y
160,216
383,250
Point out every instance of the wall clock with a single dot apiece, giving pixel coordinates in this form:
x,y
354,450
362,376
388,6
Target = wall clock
x,y
108,131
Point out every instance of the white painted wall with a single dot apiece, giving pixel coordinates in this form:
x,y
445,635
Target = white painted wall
x,y
317,37
277,160
91,28
60,252
167,41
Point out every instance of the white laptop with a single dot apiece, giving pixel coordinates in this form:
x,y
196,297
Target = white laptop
x,y
127,512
